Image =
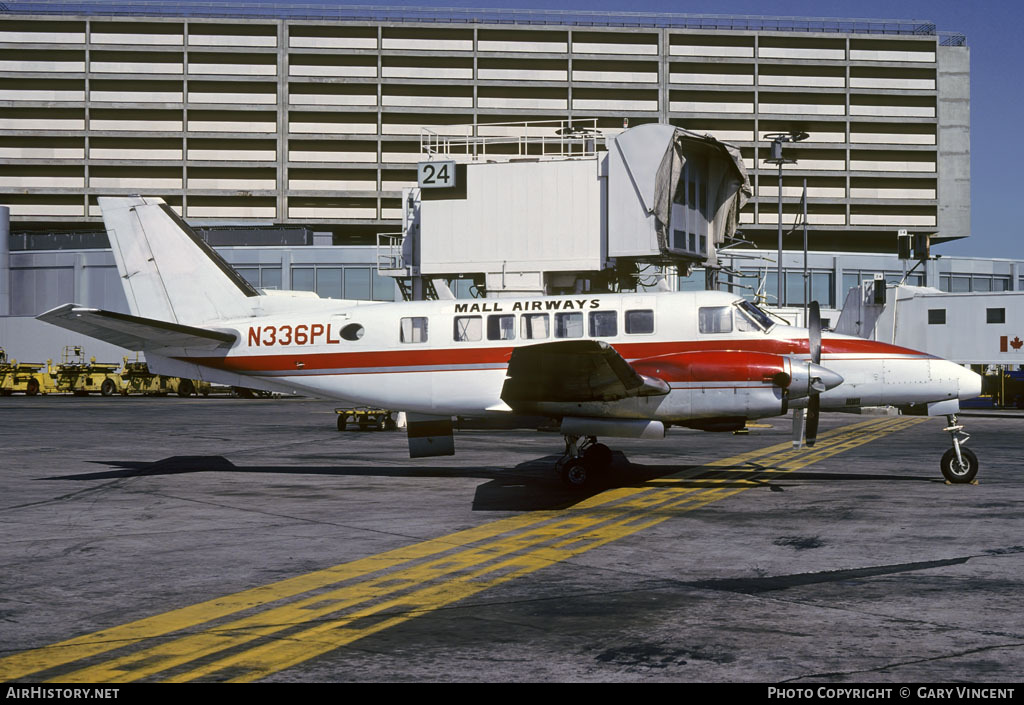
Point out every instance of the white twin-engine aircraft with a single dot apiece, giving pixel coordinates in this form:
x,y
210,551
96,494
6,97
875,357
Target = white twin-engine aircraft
x,y
625,365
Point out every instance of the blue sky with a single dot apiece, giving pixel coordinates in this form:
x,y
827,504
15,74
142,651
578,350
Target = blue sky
x,y
993,30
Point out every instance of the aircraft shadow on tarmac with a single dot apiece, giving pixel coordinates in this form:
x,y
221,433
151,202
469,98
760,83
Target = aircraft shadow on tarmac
x,y
529,486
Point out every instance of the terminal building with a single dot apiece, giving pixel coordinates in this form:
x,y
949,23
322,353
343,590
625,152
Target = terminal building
x,y
287,140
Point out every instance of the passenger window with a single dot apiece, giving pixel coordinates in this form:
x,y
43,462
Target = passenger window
x,y
715,319
468,328
640,322
414,329
534,326
604,324
501,327
569,325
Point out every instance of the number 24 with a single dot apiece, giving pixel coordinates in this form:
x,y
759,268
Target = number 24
x,y
429,174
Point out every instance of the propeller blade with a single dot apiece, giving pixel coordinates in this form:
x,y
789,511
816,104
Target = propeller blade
x,y
817,386
814,332
813,414
798,428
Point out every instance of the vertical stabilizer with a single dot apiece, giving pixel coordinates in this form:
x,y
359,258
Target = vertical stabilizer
x,y
169,272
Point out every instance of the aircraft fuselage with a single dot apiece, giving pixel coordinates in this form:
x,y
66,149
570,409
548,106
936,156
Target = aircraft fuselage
x,y
450,357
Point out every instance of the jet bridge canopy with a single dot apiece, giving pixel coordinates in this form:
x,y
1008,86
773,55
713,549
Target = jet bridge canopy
x,y
673,194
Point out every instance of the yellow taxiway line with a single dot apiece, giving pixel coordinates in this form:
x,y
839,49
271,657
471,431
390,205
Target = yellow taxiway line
x,y
254,633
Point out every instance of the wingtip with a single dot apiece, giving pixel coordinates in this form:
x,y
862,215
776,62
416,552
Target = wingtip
x,y
58,311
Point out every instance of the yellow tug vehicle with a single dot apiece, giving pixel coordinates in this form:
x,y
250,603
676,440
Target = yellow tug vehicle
x,y
23,377
77,376
139,380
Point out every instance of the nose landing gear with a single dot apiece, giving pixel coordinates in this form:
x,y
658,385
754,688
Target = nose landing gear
x,y
584,463
959,465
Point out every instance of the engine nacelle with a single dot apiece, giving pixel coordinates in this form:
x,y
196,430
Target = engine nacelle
x,y
721,384
718,366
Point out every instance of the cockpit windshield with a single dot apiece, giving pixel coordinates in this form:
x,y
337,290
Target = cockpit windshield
x,y
759,319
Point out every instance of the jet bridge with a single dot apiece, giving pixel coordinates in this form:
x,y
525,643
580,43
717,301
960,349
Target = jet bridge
x,y
560,208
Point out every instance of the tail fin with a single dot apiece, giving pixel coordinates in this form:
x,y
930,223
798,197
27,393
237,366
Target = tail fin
x,y
169,272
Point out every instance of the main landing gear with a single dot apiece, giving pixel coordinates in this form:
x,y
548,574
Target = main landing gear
x,y
959,465
584,463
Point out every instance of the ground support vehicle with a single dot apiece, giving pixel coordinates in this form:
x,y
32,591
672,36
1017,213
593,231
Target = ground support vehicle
x,y
79,377
23,377
139,380
366,419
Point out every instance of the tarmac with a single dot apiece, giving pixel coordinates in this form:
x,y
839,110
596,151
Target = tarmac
x,y
209,540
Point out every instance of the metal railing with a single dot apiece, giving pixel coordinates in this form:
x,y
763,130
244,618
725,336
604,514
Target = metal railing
x,y
582,18
536,138
389,253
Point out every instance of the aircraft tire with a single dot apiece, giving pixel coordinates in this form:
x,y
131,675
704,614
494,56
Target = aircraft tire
x,y
577,474
957,473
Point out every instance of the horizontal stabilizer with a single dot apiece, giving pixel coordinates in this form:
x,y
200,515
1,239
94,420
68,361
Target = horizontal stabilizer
x,y
133,332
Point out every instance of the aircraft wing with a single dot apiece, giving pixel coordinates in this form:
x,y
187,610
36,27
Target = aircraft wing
x,y
574,371
134,332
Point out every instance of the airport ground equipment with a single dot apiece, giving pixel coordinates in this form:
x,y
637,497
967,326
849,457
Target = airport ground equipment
x,y
23,377
367,419
74,374
139,380
1013,389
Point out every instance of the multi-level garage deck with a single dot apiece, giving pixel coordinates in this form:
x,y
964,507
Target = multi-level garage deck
x,y
315,120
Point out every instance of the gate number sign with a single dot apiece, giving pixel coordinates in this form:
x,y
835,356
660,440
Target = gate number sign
x,y
436,174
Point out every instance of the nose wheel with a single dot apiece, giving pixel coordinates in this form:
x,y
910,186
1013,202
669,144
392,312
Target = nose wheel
x,y
959,465
585,462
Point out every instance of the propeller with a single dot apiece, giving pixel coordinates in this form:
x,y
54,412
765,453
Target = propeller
x,y
816,386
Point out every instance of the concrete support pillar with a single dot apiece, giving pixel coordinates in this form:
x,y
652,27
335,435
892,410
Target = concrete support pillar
x,y
931,273
286,270
81,284
838,290
5,261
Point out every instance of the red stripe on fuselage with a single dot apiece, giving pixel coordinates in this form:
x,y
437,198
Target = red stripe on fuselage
x,y
454,356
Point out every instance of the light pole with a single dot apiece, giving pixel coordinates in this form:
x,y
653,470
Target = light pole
x,y
777,138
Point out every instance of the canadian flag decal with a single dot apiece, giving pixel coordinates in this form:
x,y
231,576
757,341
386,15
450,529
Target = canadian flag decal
x,y
1016,343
